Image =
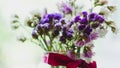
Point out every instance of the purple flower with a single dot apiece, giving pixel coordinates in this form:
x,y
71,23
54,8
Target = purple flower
x,y
64,33
100,19
70,31
96,17
87,40
64,28
57,16
93,36
70,23
77,18
45,20
79,43
87,52
92,16
88,30
62,20
46,28
58,26
69,35
46,25
55,21
71,54
81,27
84,21
62,39
50,16
39,29
83,41
34,34
84,14
65,8
55,33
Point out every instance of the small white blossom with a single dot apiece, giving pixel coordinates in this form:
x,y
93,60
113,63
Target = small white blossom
x,y
102,32
102,9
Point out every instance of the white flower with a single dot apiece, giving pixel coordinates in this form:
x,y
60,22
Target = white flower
x,y
102,32
102,9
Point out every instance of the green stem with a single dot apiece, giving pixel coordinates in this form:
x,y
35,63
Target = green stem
x,y
78,51
67,48
61,46
63,67
57,66
44,40
52,67
51,41
41,45
51,46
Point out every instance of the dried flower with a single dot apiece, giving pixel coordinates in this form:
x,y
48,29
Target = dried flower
x,y
65,8
111,8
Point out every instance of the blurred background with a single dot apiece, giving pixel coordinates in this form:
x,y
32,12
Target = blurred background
x,y
14,54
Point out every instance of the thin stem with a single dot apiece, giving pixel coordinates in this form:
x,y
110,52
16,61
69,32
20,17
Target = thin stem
x,y
24,28
39,44
43,44
44,40
78,51
61,46
67,48
51,41
63,67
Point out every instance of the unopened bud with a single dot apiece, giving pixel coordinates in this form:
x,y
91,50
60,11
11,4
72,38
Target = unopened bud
x,y
103,2
22,38
111,8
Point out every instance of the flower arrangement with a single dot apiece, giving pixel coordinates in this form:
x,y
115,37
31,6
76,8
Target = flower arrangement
x,y
67,36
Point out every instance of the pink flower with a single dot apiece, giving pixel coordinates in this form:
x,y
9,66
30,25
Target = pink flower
x,y
45,58
79,43
65,8
87,40
71,54
87,52
82,42
94,36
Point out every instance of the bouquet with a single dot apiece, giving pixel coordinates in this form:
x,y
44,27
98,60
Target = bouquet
x,y
67,36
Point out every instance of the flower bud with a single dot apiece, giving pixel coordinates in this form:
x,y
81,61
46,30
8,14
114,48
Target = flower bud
x,y
84,21
84,14
63,39
77,19
111,8
29,22
22,38
88,30
34,34
103,2
55,33
81,27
